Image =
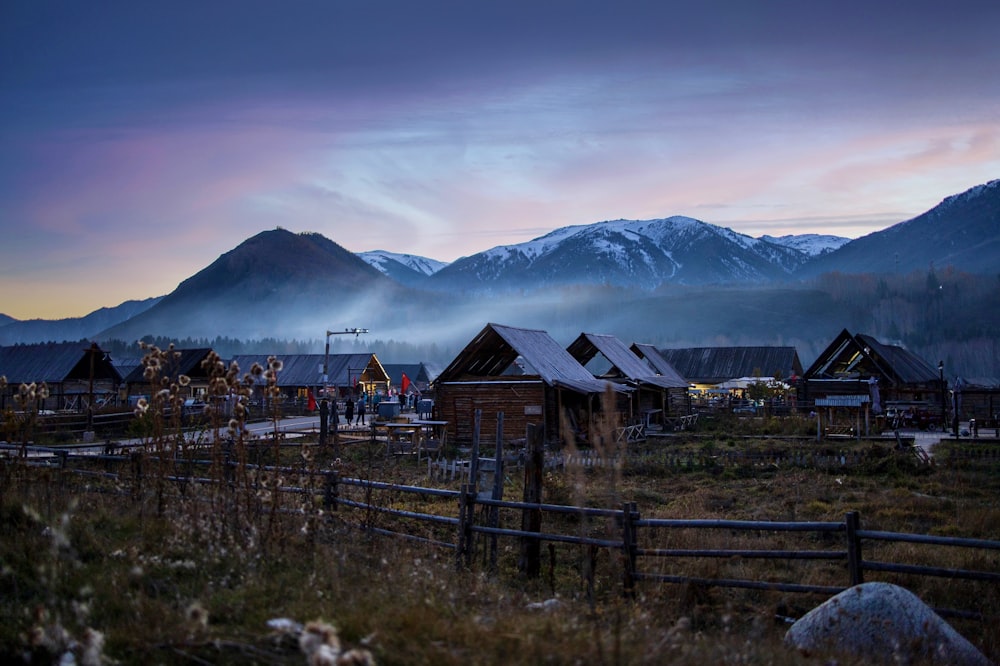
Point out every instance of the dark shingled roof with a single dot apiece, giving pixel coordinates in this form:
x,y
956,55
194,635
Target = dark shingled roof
x,y
712,365
861,356
307,369
53,363
181,362
497,347
625,363
655,359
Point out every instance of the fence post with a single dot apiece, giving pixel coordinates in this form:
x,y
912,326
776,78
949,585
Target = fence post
x,y
530,562
331,490
497,491
474,455
854,561
466,515
630,544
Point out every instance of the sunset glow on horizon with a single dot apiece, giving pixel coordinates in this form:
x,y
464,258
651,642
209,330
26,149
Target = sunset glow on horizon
x,y
139,143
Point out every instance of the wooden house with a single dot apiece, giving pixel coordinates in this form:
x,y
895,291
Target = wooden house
x,y
706,367
177,362
679,401
77,375
978,398
302,373
527,376
419,376
889,375
608,358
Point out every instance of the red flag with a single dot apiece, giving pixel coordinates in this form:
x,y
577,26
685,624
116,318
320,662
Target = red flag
x,y
312,401
405,383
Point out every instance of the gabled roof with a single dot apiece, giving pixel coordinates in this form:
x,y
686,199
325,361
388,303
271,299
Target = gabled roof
x,y
497,347
659,364
181,362
307,369
625,364
54,362
711,365
416,372
910,368
862,356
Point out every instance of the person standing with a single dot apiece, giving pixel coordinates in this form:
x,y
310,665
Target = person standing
x,y
349,410
361,410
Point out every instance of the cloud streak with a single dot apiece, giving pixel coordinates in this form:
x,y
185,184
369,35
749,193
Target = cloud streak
x,y
127,162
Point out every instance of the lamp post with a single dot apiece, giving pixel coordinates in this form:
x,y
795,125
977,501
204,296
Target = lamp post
x,y
326,369
944,407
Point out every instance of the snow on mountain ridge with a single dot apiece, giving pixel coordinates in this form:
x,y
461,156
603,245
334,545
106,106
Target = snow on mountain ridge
x,y
810,244
379,258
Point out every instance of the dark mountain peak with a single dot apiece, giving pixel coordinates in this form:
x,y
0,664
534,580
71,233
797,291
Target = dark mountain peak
x,y
962,231
271,260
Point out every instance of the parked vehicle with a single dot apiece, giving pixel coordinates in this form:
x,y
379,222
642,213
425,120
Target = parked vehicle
x,y
921,415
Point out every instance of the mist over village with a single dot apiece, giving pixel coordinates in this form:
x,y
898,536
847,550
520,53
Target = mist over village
x,y
573,332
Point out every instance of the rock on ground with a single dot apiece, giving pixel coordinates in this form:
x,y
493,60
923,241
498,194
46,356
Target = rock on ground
x,y
881,623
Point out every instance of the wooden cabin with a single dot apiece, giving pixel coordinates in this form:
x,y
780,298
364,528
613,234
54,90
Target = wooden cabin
x,y
301,374
889,375
608,358
527,376
705,367
419,376
77,375
678,401
187,362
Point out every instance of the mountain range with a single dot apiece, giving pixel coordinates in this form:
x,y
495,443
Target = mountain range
x,y
284,285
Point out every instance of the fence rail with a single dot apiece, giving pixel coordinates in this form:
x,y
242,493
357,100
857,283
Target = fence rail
x,y
638,539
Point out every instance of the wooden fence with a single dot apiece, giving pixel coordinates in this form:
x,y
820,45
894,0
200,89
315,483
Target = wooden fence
x,y
468,522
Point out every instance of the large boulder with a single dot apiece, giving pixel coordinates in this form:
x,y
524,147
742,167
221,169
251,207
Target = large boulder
x,y
881,623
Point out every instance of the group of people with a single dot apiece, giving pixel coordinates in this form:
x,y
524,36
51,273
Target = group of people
x,y
355,411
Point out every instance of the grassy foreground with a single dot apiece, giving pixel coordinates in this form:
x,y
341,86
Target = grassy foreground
x,y
166,572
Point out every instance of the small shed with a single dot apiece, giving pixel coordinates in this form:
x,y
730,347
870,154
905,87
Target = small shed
x,y
679,401
608,358
73,371
530,378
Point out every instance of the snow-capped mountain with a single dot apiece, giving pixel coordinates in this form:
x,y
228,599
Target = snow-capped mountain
x,y
407,269
812,245
644,253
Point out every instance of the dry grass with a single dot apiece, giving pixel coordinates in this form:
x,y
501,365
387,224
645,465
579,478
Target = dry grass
x,y
179,573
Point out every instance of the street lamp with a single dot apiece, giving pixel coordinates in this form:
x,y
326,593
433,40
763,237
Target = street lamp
x,y
326,358
326,369
944,408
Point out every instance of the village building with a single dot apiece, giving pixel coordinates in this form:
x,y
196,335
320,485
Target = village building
x,y
707,367
302,375
529,378
608,358
679,402
978,401
726,377
176,362
856,371
417,377
77,374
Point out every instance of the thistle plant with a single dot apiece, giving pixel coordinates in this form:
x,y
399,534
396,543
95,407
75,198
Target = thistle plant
x,y
27,398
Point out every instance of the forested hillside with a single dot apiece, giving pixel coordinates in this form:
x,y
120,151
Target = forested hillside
x,y
941,316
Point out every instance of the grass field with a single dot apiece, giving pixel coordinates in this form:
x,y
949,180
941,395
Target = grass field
x,y
162,571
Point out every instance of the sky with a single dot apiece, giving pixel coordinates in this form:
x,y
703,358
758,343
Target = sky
x,y
139,141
